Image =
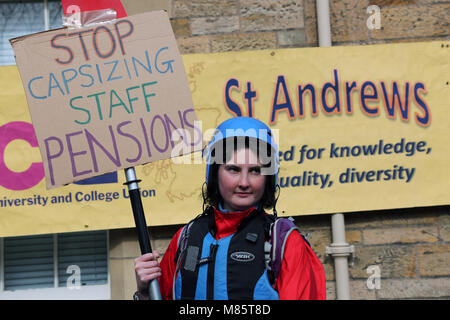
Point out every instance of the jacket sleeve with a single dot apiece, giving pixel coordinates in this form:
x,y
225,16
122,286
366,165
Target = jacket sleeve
x,y
301,276
168,267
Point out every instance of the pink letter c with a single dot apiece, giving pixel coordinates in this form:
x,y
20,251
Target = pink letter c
x,y
35,173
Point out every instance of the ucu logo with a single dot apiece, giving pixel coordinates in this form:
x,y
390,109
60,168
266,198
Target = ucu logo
x,y
20,130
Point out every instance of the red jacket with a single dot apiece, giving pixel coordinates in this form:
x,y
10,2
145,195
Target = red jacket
x,y
301,276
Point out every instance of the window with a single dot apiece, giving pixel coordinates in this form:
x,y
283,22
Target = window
x,y
18,18
28,262
62,266
84,254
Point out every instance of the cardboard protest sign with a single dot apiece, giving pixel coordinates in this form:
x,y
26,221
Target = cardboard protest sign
x,y
106,97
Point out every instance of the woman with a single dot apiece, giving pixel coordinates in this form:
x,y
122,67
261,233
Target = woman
x,y
221,253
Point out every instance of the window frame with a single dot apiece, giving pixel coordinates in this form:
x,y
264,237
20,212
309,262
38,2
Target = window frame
x,y
88,292
45,17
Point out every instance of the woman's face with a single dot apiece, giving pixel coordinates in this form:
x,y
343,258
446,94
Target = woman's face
x,y
240,181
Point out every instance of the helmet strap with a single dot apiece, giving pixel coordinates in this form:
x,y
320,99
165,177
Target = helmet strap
x,y
277,194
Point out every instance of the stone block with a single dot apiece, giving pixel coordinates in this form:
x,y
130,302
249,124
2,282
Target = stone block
x,y
434,260
204,8
123,279
432,1
414,288
123,243
393,261
413,21
328,267
198,44
388,3
180,27
444,227
268,15
353,236
311,22
291,38
348,21
393,235
214,25
243,41
360,291
331,290
391,218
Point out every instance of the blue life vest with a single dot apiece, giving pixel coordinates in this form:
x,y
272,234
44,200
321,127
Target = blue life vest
x,y
231,268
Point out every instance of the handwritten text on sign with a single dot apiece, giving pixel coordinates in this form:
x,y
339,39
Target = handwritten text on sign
x,y
105,97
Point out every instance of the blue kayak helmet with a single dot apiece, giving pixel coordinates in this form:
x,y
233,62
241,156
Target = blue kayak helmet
x,y
240,128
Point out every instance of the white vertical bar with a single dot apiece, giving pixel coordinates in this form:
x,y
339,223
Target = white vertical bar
x,y
337,220
108,266
340,262
55,261
337,227
46,16
323,23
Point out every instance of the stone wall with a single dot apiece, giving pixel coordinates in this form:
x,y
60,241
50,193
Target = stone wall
x,y
410,248
203,26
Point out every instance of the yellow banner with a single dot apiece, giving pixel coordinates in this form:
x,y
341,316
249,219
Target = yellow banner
x,y
359,128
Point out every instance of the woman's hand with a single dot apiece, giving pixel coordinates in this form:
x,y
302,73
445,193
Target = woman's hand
x,y
147,268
